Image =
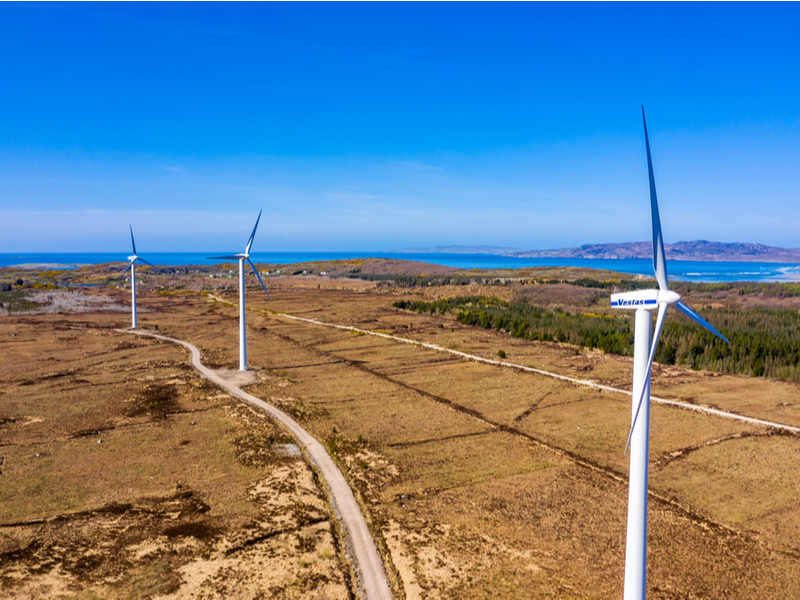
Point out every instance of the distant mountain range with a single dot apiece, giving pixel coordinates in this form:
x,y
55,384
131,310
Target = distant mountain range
x,y
696,250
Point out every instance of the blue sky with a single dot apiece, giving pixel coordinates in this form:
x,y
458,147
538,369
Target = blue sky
x,y
385,126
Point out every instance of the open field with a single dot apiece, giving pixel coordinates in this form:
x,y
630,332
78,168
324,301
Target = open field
x,y
478,481
126,475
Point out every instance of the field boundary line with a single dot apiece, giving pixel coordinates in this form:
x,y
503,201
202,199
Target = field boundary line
x,y
500,363
362,548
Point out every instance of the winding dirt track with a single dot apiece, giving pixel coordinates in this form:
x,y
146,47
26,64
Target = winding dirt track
x,y
366,559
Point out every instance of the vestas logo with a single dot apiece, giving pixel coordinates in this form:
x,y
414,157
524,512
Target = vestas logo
x,y
633,302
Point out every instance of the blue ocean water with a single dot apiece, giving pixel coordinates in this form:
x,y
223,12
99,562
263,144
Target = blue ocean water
x,y
678,269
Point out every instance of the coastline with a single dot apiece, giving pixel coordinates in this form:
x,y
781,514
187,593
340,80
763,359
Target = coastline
x,y
681,270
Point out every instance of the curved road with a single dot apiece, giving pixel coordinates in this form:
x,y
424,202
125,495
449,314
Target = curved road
x,y
366,559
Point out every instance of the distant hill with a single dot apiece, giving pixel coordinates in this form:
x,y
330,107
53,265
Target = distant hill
x,y
695,250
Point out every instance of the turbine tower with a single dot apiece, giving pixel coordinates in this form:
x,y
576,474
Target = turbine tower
x,y
132,267
643,302
245,256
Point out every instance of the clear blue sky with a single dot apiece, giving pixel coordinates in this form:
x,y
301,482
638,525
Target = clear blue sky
x,y
385,126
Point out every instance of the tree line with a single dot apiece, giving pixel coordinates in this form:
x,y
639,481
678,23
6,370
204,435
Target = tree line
x,y
741,288
412,281
764,342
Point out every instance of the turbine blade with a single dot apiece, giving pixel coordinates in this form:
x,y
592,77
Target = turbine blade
x,y
662,311
130,264
659,258
139,258
252,235
699,320
252,266
229,257
133,243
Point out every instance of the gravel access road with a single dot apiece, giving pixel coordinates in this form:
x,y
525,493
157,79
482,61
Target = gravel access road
x,y
373,582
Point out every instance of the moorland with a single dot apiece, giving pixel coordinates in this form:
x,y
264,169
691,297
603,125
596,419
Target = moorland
x,y
127,475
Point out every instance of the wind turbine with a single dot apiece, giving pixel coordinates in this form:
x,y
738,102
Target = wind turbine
x,y
245,256
643,302
132,267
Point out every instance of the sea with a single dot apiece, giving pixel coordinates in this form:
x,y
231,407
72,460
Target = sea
x,y
698,271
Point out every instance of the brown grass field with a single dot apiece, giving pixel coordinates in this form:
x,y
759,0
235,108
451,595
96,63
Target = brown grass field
x,y
477,481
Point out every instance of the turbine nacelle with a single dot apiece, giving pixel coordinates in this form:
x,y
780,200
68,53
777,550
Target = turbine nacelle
x,y
242,256
134,257
646,299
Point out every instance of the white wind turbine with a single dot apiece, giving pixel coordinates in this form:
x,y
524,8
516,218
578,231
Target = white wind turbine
x,y
245,256
132,267
645,301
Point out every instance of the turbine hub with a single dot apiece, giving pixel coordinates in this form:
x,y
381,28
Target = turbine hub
x,y
668,296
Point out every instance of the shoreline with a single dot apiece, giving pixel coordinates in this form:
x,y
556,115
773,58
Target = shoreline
x,y
717,271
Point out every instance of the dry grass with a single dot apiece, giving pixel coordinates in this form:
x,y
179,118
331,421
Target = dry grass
x,y
126,476
454,499
744,480
478,481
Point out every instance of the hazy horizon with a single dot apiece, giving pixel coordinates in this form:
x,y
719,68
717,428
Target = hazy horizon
x,y
407,250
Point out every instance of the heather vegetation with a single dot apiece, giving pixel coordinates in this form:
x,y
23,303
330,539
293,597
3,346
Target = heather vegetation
x,y
235,508
764,342
18,300
41,300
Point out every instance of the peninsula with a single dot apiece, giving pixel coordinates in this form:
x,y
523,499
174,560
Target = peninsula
x,y
700,250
